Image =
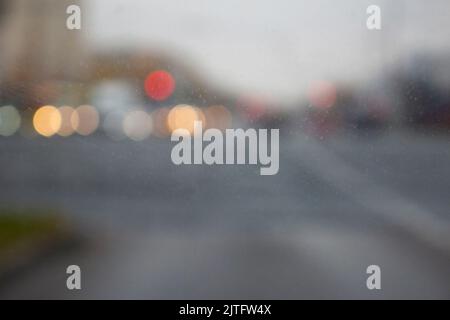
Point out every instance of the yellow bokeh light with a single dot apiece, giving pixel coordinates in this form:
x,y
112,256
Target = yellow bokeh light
x,y
183,116
85,120
47,121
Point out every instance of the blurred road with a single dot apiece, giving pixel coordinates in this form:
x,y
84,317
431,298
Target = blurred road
x,y
161,231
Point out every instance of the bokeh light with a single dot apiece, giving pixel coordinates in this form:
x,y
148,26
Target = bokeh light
x,y
47,121
200,116
137,125
218,117
252,108
66,128
322,94
159,85
85,120
9,121
183,116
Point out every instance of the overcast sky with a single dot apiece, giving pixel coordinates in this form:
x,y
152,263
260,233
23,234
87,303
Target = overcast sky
x,y
273,47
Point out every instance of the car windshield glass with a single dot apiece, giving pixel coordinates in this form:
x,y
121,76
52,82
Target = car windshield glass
x,y
213,149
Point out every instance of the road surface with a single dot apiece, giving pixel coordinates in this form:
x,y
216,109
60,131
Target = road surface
x,y
156,230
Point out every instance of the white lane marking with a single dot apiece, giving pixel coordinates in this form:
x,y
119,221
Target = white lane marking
x,y
376,197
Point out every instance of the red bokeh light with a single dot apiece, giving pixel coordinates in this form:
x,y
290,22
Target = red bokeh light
x,y
251,108
159,85
322,94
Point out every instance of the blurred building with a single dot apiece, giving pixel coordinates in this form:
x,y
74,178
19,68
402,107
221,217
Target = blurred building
x,y
35,42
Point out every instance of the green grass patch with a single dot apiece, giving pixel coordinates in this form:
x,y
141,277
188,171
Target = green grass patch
x,y
26,225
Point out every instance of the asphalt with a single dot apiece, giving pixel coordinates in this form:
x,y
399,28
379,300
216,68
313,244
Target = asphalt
x,y
156,230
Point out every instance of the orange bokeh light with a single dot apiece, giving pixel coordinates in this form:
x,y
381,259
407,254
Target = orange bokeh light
x,y
218,117
183,117
85,120
66,128
47,121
